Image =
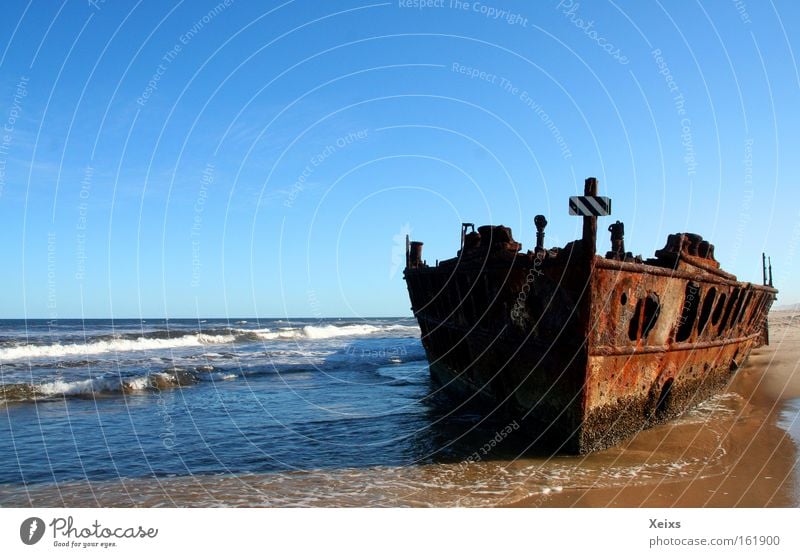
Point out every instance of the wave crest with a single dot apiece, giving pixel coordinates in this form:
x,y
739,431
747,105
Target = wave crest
x,y
322,332
32,351
164,340
156,381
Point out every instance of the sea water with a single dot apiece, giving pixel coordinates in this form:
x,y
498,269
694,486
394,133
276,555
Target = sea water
x,y
306,412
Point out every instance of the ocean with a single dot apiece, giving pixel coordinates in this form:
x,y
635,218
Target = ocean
x,y
332,412
105,399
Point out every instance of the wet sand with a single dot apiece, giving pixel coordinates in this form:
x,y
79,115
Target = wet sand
x,y
739,449
760,466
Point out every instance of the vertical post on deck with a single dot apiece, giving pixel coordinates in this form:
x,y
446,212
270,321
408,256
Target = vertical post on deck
x,y
590,223
408,251
770,270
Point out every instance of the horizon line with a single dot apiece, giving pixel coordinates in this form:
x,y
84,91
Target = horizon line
x,y
239,317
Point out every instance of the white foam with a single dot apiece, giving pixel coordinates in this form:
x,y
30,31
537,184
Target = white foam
x,y
89,386
108,385
312,332
138,383
66,388
249,331
218,376
309,332
30,351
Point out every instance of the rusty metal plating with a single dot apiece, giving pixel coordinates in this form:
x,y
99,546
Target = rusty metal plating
x,y
584,350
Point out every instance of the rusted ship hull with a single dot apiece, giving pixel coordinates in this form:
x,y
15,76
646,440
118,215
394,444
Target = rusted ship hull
x,y
691,353
585,350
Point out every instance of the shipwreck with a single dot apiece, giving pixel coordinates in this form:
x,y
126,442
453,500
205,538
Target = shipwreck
x,y
583,349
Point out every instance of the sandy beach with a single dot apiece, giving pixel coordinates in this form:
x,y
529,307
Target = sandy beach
x,y
759,465
739,449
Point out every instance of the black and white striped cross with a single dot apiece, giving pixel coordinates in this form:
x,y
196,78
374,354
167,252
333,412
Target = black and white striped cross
x,y
589,206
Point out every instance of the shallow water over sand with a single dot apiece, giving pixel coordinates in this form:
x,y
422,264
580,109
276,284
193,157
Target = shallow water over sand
x,y
737,449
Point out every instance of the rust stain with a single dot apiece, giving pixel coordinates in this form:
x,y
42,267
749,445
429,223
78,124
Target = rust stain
x,y
585,349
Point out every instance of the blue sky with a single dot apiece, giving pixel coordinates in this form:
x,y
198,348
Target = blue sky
x,y
266,159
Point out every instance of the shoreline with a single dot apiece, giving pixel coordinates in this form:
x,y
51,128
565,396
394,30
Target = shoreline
x,y
739,449
760,466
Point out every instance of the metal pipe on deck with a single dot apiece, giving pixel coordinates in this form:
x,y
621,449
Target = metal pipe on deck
x,y
540,222
415,255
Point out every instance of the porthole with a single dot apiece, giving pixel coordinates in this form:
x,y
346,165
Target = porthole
x,y
718,310
644,317
691,300
705,311
728,309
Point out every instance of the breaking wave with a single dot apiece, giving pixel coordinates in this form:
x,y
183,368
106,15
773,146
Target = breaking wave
x,y
164,340
30,351
102,385
312,332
